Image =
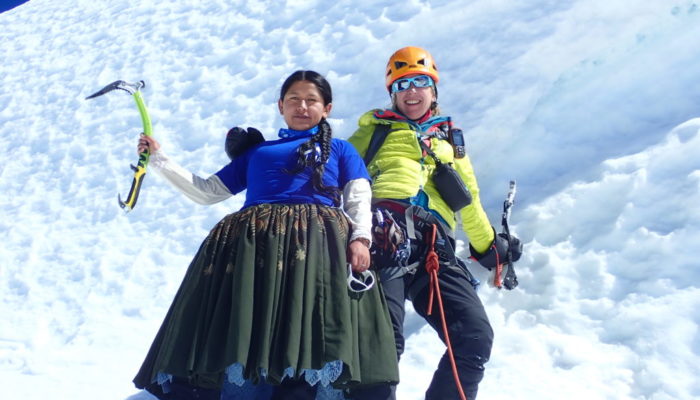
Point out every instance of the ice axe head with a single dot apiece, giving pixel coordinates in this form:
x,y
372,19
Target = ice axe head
x,y
130,88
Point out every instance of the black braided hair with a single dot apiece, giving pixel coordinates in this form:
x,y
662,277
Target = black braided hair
x,y
322,138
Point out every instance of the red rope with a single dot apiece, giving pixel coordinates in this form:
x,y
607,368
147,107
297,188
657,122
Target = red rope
x,y
432,264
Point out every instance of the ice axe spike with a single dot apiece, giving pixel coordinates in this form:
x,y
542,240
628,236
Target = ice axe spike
x,y
140,169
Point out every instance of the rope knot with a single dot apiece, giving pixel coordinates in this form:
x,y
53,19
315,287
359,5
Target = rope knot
x,y
432,265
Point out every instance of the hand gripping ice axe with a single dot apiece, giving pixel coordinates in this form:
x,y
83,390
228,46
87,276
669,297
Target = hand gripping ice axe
x,y
510,280
140,168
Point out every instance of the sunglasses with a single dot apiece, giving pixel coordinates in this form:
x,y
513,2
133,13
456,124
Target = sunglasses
x,y
365,282
420,81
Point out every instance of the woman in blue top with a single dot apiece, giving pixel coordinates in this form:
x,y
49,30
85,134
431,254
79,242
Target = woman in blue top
x,y
270,297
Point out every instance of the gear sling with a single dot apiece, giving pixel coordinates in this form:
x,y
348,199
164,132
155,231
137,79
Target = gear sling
x,y
393,243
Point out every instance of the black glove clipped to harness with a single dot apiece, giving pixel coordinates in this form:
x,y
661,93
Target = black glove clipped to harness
x,y
498,252
239,140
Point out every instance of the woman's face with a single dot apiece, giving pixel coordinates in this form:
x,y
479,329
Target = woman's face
x,y
302,106
414,102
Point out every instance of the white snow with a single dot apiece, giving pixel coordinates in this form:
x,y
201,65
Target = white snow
x,y
592,105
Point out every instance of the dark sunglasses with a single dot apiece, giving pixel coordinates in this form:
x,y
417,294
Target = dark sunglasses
x,y
420,81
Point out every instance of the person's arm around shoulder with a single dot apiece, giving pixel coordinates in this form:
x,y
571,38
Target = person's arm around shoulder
x,y
202,191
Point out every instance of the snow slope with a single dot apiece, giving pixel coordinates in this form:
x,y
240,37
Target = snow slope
x,y
591,105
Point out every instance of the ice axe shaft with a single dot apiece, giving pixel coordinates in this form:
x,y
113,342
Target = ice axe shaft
x,y
507,204
140,169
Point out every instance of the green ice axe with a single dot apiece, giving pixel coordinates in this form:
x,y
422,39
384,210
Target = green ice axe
x,y
140,168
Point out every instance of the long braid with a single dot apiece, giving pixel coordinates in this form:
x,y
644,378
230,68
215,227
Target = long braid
x,y
303,160
306,157
325,133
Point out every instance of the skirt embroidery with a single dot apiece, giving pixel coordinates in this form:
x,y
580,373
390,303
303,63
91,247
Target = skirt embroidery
x,y
265,298
325,376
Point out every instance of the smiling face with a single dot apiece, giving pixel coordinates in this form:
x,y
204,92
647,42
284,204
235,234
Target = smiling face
x,y
303,106
414,102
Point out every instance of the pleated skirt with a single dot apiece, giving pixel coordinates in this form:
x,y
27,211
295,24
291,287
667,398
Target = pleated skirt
x,y
266,298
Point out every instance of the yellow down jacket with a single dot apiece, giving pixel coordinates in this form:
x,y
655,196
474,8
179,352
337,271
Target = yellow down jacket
x,y
399,170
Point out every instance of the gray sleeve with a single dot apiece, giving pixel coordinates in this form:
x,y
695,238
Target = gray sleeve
x,y
203,191
357,203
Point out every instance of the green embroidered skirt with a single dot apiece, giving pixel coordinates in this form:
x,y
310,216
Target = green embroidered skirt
x,y
266,298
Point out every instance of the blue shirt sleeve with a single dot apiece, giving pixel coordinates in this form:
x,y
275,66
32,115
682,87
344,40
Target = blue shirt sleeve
x,y
351,165
234,175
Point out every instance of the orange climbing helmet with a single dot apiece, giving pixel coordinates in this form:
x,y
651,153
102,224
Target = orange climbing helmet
x,y
410,60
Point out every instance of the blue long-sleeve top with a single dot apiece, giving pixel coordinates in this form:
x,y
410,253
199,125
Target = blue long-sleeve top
x,y
261,171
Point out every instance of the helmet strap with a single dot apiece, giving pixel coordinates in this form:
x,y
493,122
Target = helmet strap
x,y
434,105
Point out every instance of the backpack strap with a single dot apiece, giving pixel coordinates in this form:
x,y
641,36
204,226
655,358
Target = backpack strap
x,y
430,152
381,131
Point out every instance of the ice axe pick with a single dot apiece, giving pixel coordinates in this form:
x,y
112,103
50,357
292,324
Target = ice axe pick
x,y
140,169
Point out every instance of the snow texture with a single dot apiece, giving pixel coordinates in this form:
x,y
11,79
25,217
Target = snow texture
x,y
591,105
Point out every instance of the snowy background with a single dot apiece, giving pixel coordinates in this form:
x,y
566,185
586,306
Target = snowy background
x,y
592,105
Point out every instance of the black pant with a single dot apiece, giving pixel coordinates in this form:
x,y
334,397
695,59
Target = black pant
x,y
468,326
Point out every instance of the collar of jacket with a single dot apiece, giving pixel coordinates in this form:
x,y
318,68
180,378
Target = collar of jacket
x,y
426,126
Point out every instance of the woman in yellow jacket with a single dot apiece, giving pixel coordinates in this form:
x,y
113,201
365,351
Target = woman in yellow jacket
x,y
415,139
